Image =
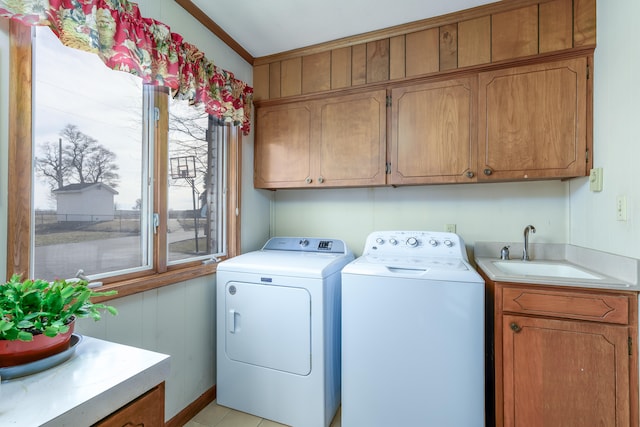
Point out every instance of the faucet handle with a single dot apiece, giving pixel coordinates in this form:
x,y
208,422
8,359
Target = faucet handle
x,y
504,253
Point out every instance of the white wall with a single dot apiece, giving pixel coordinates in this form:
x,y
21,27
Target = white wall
x,y
495,212
178,320
616,137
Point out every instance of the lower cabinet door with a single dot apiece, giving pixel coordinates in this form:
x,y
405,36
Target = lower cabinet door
x,y
565,373
145,411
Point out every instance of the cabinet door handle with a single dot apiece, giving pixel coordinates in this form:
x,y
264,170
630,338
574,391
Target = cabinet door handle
x,y
514,327
469,174
308,180
321,180
488,171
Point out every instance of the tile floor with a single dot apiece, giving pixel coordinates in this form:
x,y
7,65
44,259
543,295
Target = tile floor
x,y
215,415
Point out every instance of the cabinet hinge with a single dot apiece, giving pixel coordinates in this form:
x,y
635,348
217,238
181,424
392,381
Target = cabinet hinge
x,y
388,100
387,168
587,155
630,345
588,71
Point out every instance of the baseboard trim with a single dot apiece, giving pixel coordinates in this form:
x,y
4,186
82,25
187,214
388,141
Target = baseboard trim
x,y
192,409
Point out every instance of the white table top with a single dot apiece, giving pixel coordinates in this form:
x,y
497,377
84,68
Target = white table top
x,y
98,379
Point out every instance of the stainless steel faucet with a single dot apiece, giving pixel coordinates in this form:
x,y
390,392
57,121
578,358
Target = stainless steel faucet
x,y
525,252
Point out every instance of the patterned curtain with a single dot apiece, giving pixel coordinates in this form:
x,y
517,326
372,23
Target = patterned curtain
x,y
125,41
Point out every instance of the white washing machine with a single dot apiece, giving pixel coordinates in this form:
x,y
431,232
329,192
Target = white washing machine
x,y
278,330
412,333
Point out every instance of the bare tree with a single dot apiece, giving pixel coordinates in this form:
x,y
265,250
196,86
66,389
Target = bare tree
x,y
101,166
77,158
51,165
76,148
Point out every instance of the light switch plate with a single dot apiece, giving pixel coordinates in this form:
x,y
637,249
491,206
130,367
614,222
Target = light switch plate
x,y
595,179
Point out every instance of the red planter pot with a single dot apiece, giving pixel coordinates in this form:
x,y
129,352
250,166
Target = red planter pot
x,y
13,353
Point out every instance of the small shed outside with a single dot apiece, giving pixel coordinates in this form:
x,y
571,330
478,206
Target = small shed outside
x,y
90,201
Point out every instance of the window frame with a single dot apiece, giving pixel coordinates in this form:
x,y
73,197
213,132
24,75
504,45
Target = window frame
x,y
19,227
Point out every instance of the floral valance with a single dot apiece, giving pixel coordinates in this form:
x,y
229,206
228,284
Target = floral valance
x,y
124,40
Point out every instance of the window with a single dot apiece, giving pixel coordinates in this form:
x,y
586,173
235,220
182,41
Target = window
x,y
197,165
90,163
127,185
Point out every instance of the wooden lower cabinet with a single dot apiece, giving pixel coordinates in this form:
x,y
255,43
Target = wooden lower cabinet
x,y
564,373
145,411
564,357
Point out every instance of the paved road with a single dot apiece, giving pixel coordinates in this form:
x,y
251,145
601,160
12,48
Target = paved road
x,y
64,260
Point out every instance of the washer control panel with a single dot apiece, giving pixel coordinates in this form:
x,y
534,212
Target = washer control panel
x,y
415,244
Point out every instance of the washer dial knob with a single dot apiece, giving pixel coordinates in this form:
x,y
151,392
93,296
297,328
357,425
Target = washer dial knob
x,y
448,243
433,242
412,241
393,241
379,240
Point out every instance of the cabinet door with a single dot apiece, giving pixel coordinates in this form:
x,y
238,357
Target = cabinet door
x,y
283,146
533,121
433,133
352,140
564,373
147,410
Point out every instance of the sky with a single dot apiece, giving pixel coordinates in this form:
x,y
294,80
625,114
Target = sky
x,y
75,87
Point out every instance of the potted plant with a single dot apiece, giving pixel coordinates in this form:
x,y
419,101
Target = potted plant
x,y
38,313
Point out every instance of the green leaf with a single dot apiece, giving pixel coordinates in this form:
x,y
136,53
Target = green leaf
x,y
5,325
24,324
51,331
25,336
39,305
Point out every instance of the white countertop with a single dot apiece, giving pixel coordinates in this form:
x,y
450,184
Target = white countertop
x,y
98,379
615,272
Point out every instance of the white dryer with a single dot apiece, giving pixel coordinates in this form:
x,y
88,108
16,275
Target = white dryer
x,y
278,330
412,333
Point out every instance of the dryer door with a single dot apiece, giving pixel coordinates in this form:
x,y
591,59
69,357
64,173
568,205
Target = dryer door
x,y
268,326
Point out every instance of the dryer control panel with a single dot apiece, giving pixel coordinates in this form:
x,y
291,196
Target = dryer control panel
x,y
306,244
427,244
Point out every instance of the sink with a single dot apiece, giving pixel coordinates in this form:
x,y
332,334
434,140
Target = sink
x,y
542,268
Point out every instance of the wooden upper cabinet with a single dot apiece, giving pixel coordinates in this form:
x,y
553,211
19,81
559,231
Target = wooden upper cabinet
x,y
490,34
433,133
282,156
534,121
329,142
352,140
